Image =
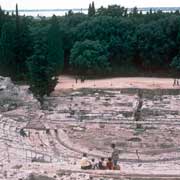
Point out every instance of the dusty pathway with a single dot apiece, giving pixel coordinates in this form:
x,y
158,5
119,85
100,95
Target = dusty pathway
x,y
69,82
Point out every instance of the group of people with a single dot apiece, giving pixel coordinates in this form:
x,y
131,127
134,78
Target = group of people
x,y
110,164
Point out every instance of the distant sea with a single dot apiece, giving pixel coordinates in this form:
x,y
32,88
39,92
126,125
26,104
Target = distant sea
x,y
48,12
62,12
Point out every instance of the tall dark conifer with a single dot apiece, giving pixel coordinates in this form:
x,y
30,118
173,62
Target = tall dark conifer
x,y
1,18
22,45
7,54
93,10
17,20
47,60
55,47
17,44
89,10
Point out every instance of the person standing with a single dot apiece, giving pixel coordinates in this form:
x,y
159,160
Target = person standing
x,y
115,155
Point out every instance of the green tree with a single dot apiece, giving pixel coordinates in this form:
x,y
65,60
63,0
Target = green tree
x,y
46,61
39,68
91,9
134,12
2,16
89,57
55,46
112,10
156,42
7,54
70,13
116,32
15,45
22,46
17,20
68,25
147,41
175,64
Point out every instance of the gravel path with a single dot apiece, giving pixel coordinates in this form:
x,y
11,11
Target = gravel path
x,y
69,82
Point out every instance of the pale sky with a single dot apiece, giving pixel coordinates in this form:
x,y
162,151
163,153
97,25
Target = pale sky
x,y
61,4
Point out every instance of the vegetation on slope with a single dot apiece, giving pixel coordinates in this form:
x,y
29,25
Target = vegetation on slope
x,y
106,41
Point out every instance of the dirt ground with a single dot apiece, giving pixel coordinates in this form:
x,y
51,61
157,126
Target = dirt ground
x,y
69,82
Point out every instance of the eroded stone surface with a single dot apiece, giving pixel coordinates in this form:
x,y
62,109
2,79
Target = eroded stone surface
x,y
87,121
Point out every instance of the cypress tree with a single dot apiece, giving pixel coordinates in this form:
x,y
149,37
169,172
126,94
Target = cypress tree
x,y
7,55
39,70
22,45
1,18
17,44
150,12
54,46
47,60
93,9
17,20
135,11
89,10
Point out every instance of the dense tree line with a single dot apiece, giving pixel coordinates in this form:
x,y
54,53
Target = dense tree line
x,y
106,41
